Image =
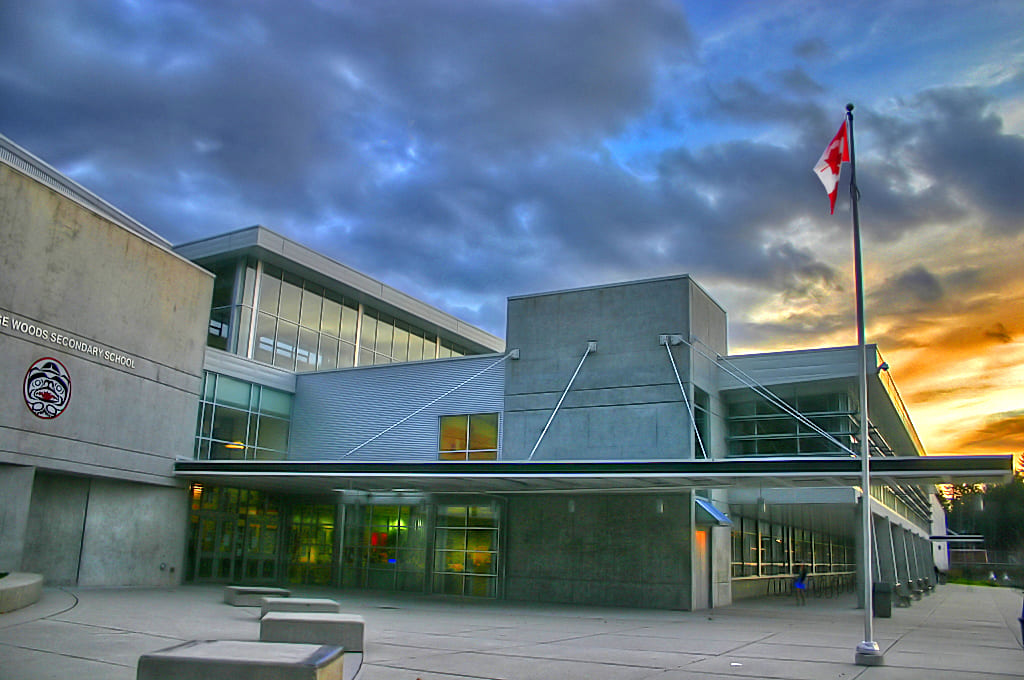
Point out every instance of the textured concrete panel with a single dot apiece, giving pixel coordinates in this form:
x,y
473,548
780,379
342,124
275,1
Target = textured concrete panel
x,y
625,403
134,535
626,550
16,492
56,521
125,316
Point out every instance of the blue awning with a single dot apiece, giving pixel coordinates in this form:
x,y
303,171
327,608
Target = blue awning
x,y
708,514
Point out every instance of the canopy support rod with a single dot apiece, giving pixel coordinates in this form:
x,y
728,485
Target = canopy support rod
x,y
667,341
514,354
591,346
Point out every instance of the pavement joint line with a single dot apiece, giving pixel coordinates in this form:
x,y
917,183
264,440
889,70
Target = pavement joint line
x,y
67,656
74,603
97,626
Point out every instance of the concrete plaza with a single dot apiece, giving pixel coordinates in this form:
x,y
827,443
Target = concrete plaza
x,y
963,632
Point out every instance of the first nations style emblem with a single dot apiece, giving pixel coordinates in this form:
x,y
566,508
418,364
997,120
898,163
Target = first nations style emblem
x,y
47,388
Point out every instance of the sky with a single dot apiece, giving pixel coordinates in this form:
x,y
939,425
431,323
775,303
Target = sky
x,y
465,152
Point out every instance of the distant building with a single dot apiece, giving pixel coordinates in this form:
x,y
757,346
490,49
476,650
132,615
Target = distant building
x,y
290,420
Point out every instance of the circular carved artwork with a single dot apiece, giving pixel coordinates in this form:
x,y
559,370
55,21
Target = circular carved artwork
x,y
47,388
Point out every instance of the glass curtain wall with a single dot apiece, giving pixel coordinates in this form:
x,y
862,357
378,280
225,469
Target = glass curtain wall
x,y
302,326
447,549
241,421
386,547
311,544
757,427
764,548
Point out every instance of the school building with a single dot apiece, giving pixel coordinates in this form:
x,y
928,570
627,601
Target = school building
x,y
244,409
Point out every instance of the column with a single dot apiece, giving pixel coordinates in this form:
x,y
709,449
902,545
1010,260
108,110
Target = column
x,y
884,547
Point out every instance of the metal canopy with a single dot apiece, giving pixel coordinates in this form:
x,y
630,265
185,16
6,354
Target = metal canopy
x,y
709,515
509,477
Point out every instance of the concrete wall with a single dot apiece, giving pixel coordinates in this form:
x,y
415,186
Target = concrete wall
x,y
940,550
134,535
125,316
607,550
16,493
625,403
56,522
97,532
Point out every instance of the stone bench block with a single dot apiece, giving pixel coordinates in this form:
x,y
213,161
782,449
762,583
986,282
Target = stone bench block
x,y
251,596
19,589
298,604
232,659
344,630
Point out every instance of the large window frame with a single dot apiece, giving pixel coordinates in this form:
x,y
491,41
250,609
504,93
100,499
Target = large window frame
x,y
238,420
765,548
301,326
472,436
466,550
759,428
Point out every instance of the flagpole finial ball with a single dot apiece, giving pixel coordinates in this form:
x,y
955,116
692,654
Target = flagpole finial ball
x,y
849,107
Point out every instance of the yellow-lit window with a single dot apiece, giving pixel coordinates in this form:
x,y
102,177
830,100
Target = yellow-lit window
x,y
468,437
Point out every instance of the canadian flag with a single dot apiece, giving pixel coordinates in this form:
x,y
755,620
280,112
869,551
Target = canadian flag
x,y
827,167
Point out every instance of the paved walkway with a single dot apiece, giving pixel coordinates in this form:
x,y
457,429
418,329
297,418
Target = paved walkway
x,y
962,632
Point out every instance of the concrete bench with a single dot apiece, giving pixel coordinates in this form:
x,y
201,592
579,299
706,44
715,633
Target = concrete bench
x,y
322,628
251,596
231,659
915,589
19,589
298,604
902,594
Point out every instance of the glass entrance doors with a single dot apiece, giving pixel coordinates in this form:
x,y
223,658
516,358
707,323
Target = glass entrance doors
x,y
311,551
387,547
249,536
235,535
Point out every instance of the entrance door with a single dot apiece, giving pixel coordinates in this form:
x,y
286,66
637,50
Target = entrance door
x,y
311,554
234,536
701,570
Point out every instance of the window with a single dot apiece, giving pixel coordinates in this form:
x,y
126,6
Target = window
x,y
763,548
466,550
301,326
240,420
468,437
759,428
701,418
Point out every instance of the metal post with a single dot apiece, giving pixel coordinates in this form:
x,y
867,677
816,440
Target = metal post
x,y
868,652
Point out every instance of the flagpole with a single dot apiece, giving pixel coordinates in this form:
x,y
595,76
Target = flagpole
x,y
868,653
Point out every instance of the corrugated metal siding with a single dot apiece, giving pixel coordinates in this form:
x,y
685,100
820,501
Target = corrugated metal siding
x,y
336,412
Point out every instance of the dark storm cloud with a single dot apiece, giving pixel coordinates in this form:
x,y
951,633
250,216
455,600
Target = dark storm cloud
x,y
460,150
797,81
998,332
395,136
955,144
909,289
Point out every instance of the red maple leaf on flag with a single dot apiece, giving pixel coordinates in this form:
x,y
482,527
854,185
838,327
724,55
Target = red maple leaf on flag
x,y
828,166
